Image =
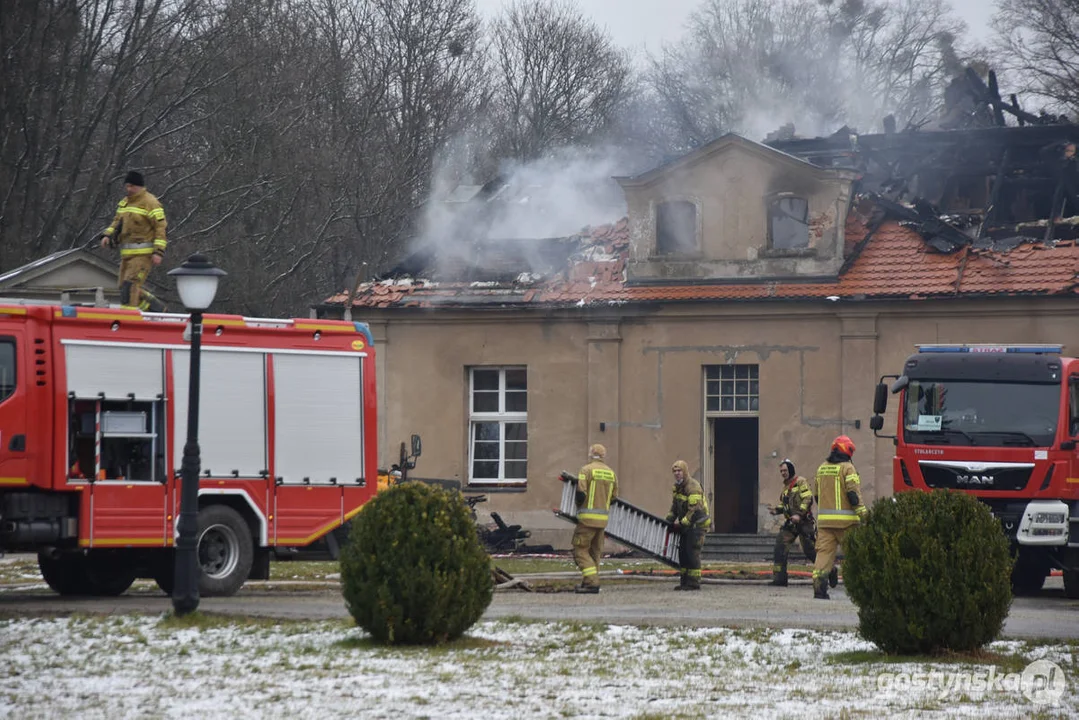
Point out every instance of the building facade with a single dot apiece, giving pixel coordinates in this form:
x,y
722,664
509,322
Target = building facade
x,y
741,314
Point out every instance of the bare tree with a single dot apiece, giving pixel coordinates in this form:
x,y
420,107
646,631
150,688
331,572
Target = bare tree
x,y
559,79
1040,44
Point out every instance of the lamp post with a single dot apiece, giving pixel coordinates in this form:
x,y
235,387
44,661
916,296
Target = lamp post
x,y
196,281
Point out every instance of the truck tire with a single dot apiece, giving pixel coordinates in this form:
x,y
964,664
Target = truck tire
x,y
108,574
1071,584
225,549
1028,578
65,573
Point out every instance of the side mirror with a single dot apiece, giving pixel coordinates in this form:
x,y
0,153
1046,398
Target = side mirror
x,y
417,447
880,400
900,383
877,421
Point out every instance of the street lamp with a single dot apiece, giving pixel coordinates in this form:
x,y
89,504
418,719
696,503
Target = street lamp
x,y
196,281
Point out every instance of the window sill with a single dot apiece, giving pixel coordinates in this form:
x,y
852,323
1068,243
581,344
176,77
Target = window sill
x,y
496,487
770,252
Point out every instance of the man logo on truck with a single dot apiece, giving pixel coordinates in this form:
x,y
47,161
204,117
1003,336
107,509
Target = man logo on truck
x,y
974,480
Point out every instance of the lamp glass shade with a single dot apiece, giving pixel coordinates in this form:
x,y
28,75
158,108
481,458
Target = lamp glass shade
x,y
197,291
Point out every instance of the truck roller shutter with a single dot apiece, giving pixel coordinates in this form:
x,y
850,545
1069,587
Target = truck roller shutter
x,y
115,370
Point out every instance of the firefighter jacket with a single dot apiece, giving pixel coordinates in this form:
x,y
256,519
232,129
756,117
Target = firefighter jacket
x,y
689,506
835,482
140,220
597,488
796,498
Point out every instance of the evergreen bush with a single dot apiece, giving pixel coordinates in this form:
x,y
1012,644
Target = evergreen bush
x,y
413,570
929,571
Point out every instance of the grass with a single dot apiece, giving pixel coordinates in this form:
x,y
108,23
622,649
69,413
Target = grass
x,y
1006,662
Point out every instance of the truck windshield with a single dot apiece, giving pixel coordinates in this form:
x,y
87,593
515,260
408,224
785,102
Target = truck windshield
x,y
7,368
953,412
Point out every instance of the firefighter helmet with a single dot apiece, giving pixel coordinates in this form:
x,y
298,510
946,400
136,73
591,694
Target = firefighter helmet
x,y
597,452
844,445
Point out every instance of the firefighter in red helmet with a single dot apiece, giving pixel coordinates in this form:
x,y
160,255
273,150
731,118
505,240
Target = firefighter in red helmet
x,y
838,495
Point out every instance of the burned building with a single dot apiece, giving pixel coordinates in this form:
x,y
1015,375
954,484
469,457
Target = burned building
x,y
739,314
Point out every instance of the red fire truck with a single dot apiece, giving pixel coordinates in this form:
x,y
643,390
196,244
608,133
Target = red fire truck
x,y
93,407
999,422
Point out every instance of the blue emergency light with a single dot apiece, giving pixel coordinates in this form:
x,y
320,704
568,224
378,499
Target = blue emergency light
x,y
1028,349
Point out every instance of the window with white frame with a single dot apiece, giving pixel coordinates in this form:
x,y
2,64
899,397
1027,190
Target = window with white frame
x,y
498,425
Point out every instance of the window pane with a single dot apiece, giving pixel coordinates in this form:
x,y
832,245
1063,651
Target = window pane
x,y
485,380
516,379
7,369
676,227
517,470
727,371
712,387
741,403
486,431
788,220
713,403
516,431
741,371
711,372
485,470
485,402
754,403
753,371
728,387
516,402
754,387
728,404
741,387
485,451
516,451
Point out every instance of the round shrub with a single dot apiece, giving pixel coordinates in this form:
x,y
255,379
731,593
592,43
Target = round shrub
x,y
413,570
929,571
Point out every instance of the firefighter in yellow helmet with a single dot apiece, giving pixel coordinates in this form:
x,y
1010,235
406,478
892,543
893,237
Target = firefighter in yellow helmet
x,y
138,230
597,487
838,494
689,515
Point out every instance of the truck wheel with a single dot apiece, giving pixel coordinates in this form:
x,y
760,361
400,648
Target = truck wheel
x,y
225,549
1028,578
1071,584
107,573
65,574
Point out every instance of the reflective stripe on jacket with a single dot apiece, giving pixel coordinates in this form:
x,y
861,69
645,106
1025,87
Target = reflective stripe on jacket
x,y
834,481
689,506
141,222
597,483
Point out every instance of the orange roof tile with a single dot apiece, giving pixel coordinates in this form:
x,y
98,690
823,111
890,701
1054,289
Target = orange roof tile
x,y
892,262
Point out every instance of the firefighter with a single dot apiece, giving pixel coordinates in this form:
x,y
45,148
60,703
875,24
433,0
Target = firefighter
x,y
796,506
138,230
839,505
597,487
689,515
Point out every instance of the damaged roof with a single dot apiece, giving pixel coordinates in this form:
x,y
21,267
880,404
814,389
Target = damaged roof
x,y
888,259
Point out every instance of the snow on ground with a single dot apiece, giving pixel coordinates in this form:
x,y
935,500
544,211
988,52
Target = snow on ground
x,y
139,666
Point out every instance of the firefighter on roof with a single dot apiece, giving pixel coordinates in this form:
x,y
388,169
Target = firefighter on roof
x,y
839,505
689,514
796,506
138,230
597,488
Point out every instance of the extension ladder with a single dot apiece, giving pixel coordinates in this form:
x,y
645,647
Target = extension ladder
x,y
627,524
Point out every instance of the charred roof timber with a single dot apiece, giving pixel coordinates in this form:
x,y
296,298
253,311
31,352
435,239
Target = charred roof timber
x,y
966,178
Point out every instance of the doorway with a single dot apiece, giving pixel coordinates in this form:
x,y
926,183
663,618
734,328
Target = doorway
x,y
736,474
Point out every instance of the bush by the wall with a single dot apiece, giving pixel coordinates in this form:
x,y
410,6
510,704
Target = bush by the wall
x,y
413,571
929,571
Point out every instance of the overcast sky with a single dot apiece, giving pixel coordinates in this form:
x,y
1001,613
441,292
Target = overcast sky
x,y
650,23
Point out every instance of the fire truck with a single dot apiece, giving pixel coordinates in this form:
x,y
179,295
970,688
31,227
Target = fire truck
x,y
999,422
93,408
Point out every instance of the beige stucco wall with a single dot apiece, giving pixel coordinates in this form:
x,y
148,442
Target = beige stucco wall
x,y
641,373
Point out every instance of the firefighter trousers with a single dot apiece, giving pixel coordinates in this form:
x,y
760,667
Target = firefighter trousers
x,y
689,556
829,541
133,273
587,550
805,534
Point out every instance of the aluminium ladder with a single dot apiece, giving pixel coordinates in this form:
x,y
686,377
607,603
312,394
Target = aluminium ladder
x,y
627,524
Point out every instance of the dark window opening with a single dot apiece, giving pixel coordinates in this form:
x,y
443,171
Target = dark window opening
x,y
7,369
1073,407
676,228
788,223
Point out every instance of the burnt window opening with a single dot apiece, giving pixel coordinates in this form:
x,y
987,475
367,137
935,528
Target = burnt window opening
x,y
788,223
676,228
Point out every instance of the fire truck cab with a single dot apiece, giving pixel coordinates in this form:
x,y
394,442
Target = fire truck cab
x,y
93,407
1000,422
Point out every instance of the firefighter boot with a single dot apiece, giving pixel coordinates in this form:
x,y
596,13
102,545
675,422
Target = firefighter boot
x,y
833,577
779,578
681,581
820,589
586,589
